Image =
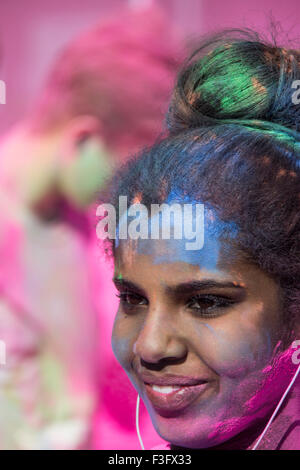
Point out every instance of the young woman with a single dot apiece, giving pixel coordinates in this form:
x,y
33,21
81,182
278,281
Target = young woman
x,y
208,336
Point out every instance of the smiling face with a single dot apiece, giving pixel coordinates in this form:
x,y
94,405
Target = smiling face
x,y
196,332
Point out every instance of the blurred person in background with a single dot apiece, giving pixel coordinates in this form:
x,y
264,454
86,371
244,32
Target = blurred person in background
x,y
104,98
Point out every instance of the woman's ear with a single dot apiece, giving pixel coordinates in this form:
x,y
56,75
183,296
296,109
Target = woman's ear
x,y
85,163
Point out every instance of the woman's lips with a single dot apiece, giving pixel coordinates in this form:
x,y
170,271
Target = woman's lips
x,y
167,399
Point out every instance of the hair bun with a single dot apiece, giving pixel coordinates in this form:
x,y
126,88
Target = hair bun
x,y
234,75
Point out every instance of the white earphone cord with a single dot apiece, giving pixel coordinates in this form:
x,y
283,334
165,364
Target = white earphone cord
x,y
262,434
137,412
277,409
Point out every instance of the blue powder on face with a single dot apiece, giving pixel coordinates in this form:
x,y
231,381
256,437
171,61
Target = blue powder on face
x,y
174,250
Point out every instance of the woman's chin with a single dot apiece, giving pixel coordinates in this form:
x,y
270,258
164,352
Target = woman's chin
x,y
193,440
204,432
182,432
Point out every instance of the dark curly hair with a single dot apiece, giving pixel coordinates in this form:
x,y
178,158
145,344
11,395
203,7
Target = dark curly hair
x,y
233,144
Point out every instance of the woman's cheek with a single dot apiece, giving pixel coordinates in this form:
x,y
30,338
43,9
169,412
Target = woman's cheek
x,y
232,351
122,341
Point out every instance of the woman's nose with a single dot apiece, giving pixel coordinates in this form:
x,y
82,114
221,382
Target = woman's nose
x,y
160,338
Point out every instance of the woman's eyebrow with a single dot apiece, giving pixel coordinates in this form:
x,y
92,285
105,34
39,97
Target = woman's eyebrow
x,y
188,287
122,284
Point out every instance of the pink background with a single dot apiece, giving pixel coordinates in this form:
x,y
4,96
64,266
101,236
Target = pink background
x,y
31,33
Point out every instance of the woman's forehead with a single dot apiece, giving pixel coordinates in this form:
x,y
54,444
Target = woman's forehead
x,y
164,277
169,261
213,255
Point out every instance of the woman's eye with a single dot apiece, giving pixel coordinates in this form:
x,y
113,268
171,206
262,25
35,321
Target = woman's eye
x,y
207,304
131,299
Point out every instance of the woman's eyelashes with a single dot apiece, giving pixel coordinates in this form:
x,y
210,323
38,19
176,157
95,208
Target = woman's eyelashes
x,y
209,305
131,300
206,305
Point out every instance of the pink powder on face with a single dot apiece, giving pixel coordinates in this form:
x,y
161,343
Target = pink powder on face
x,y
277,376
230,425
